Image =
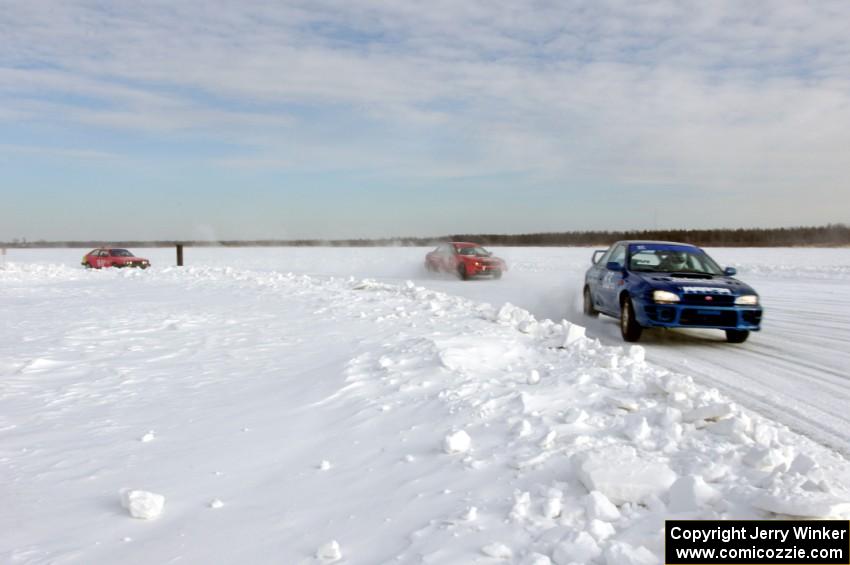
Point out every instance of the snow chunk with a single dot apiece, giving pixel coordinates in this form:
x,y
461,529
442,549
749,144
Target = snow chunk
x,y
149,436
573,333
765,434
457,442
522,504
329,551
621,475
690,493
712,412
637,354
637,428
142,504
537,559
553,506
533,377
804,503
601,530
764,458
576,416
549,440
738,427
802,465
523,429
324,465
497,551
599,507
216,503
511,315
619,553
582,548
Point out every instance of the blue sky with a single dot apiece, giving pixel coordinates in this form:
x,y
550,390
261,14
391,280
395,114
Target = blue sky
x,y
209,119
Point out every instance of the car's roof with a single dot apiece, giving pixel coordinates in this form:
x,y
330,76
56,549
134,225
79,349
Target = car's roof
x,y
654,242
465,244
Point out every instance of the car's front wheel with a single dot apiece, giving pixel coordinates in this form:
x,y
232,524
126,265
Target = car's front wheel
x,y
588,308
629,326
737,336
462,272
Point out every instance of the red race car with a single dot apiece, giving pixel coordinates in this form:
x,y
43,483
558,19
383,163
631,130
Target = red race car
x,y
466,259
113,257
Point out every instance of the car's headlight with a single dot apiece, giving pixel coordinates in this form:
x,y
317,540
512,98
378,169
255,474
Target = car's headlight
x,y
747,300
664,297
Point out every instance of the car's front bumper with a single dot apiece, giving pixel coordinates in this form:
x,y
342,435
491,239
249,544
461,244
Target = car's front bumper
x,y
485,270
691,316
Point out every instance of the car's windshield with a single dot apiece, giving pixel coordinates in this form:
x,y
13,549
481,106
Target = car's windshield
x,y
672,260
120,253
476,251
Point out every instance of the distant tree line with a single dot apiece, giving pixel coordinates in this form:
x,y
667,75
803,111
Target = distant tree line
x,y
822,236
831,235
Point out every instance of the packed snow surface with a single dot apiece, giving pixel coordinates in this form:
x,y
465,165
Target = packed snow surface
x,y
341,405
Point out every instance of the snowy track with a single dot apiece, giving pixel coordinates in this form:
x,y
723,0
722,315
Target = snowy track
x,y
283,400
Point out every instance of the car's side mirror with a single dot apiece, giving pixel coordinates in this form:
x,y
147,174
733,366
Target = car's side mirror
x,y
597,255
614,266
730,271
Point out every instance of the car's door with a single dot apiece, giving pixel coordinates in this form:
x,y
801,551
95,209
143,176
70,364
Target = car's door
x,y
117,258
102,258
610,281
593,278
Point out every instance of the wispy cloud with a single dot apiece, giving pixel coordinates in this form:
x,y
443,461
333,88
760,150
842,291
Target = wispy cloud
x,y
61,152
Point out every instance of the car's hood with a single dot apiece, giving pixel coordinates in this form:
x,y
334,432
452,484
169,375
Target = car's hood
x,y
696,284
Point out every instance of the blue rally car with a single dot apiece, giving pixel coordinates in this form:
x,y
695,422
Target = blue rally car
x,y
668,285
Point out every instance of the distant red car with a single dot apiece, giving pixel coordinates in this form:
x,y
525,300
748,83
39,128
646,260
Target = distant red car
x,y
113,257
466,259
